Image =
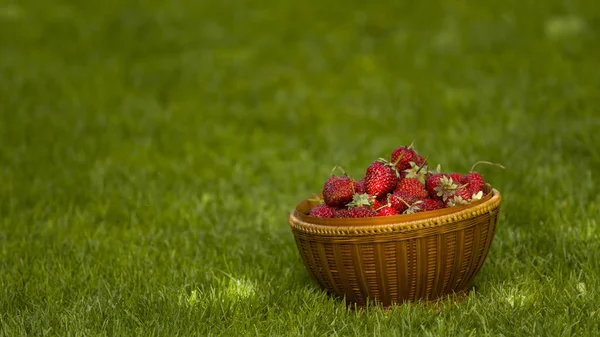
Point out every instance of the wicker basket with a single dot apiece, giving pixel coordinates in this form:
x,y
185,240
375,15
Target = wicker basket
x,y
421,256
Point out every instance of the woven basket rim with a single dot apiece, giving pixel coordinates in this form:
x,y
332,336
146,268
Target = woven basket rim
x,y
402,223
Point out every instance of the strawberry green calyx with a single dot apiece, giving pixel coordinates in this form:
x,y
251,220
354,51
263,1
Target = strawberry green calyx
x,y
455,201
446,188
418,172
361,200
436,170
477,196
414,208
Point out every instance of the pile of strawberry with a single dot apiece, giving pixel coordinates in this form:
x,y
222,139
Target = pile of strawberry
x,y
402,185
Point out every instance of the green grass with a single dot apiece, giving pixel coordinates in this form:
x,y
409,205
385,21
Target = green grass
x,y
150,153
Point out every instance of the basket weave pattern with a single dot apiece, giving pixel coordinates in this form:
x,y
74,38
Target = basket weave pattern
x,y
418,258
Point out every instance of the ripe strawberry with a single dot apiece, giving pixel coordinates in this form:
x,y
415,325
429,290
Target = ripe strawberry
x,y
380,202
360,186
402,156
456,177
433,182
342,213
400,201
322,211
428,204
387,211
338,190
420,161
362,212
381,178
412,186
462,192
460,197
474,182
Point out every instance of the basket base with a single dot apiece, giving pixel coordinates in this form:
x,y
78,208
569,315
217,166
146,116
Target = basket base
x,y
434,304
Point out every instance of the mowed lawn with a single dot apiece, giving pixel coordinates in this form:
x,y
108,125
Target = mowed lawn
x,y
150,153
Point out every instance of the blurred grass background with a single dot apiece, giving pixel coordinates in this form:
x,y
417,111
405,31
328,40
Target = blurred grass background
x,y
151,151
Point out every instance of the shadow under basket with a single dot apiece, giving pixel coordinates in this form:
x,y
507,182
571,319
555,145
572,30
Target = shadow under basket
x,y
390,260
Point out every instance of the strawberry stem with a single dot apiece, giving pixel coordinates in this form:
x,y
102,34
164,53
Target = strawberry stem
x,y
337,167
487,163
422,165
399,158
382,207
407,205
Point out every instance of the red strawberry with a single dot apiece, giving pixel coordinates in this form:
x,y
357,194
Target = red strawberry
x,y
387,211
460,197
360,186
338,190
362,212
412,186
428,204
322,211
474,182
420,161
342,213
433,182
381,178
378,203
456,177
402,156
400,201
